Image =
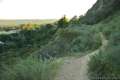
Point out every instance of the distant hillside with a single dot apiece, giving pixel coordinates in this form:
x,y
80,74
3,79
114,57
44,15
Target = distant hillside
x,y
24,21
101,10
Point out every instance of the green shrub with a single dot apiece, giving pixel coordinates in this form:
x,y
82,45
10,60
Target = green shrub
x,y
87,41
31,69
67,34
106,64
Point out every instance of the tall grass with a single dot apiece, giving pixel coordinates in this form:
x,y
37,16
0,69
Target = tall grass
x,y
31,69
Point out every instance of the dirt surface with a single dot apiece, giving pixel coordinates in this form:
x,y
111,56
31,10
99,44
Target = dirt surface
x,y
76,68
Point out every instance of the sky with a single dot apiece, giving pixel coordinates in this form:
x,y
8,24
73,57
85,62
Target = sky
x,y
43,9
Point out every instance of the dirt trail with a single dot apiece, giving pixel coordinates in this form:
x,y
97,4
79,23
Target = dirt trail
x,y
76,68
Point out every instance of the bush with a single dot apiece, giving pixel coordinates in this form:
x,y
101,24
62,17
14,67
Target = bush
x,y
106,64
31,69
67,34
87,41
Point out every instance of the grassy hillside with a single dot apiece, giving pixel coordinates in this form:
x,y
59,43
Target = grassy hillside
x,y
75,37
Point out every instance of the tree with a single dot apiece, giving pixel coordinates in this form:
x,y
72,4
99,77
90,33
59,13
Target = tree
x,y
63,22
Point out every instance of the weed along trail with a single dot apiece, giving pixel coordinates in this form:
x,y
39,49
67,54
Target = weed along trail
x,y
76,68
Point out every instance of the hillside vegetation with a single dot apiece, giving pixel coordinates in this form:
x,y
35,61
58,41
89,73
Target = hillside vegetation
x,y
107,63
105,15
37,50
100,11
45,42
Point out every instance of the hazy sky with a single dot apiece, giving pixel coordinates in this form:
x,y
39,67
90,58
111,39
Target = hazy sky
x,y
43,9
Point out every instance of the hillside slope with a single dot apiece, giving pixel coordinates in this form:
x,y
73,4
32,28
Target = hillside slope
x,y
101,10
106,64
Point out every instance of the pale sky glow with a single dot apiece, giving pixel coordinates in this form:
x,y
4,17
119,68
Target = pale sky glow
x,y
43,9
